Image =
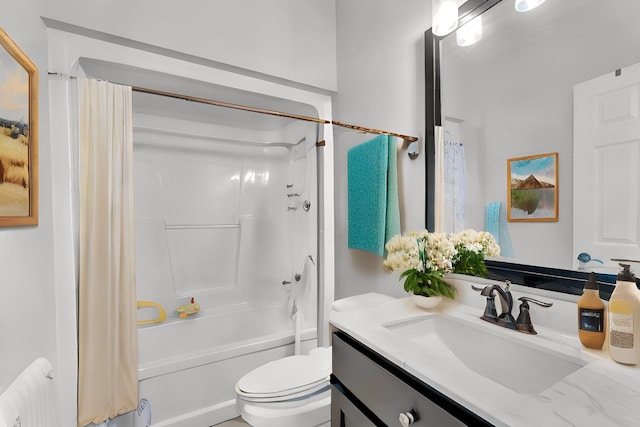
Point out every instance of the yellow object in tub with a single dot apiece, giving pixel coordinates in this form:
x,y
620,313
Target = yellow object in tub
x,y
162,315
185,310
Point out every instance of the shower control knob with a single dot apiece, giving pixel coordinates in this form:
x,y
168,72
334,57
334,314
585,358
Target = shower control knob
x,y
406,419
306,205
286,282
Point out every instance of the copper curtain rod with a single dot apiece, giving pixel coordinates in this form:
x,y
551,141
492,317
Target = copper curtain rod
x,y
229,105
406,138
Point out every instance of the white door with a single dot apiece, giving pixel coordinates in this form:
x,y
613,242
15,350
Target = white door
x,y
606,158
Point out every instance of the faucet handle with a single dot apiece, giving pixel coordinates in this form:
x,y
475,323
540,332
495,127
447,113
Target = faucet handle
x,y
523,323
535,301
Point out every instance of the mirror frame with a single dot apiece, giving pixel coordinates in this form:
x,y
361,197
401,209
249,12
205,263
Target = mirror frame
x,y
552,279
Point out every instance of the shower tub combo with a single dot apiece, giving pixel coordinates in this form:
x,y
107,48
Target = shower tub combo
x,y
225,214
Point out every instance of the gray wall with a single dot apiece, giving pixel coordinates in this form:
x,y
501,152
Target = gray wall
x,y
379,80
288,39
380,85
27,296
283,40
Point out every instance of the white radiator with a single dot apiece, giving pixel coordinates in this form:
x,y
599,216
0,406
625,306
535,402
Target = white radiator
x,y
32,399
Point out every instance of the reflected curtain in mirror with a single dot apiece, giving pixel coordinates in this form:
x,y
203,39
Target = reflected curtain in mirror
x,y
454,185
107,331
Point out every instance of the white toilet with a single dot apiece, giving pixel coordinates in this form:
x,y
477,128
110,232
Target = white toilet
x,y
294,391
289,392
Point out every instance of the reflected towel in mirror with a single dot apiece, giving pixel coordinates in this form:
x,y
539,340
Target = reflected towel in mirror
x,y
496,224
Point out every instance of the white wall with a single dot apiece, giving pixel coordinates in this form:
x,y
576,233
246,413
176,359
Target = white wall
x,y
288,39
27,296
380,85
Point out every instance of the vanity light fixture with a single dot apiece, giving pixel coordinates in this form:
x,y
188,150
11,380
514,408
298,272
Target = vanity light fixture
x,y
445,16
470,32
527,5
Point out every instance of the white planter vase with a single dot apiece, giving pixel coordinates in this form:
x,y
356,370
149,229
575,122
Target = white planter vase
x,y
427,303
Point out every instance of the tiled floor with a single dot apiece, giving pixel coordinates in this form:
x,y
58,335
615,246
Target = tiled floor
x,y
236,422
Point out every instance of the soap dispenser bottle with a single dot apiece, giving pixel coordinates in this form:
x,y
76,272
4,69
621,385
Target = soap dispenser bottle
x,y
624,319
591,315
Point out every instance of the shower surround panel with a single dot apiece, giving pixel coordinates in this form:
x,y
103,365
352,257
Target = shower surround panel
x,y
227,217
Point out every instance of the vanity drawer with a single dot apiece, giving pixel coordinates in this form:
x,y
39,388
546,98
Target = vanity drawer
x,y
344,413
387,391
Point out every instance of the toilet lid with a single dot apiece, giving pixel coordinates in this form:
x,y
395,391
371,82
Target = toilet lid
x,y
286,376
288,396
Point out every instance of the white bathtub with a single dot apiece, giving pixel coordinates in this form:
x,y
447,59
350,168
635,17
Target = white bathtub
x,y
189,367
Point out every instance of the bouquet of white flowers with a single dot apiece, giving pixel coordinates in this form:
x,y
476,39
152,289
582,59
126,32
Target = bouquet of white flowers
x,y
471,248
424,258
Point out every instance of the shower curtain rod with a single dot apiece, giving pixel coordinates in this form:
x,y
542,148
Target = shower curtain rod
x,y
228,105
407,138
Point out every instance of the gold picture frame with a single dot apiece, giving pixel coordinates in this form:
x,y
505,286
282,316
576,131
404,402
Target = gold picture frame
x,y
532,188
18,136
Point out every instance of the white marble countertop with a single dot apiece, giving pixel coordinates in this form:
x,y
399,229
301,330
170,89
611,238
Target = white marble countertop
x,y
601,393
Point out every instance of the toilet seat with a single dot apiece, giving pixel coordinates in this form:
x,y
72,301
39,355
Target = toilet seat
x,y
300,392
288,378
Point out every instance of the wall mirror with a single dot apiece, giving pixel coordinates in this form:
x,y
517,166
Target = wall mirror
x,y
510,95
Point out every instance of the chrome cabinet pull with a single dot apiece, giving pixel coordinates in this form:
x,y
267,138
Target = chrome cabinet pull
x,y
406,419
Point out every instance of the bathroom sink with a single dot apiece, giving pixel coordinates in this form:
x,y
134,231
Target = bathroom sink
x,y
495,355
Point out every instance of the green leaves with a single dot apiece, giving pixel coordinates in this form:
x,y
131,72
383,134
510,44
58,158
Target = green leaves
x,y
469,262
428,284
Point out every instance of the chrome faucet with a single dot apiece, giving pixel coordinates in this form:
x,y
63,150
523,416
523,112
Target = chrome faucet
x,y
505,318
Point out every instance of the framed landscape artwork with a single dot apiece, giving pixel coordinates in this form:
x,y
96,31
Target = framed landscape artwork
x,y
18,136
532,190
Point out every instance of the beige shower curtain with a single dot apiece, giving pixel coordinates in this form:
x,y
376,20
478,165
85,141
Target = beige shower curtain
x,y
107,334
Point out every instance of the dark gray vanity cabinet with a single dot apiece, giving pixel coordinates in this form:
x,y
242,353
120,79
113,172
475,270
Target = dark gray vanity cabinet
x,y
368,390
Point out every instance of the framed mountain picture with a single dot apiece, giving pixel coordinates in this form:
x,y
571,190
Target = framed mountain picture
x,y
532,188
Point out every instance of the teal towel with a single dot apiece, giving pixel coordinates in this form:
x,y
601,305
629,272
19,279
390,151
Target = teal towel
x,y
373,209
492,220
496,224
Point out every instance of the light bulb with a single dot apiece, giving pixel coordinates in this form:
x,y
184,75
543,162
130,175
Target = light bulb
x,y
470,32
445,17
527,5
